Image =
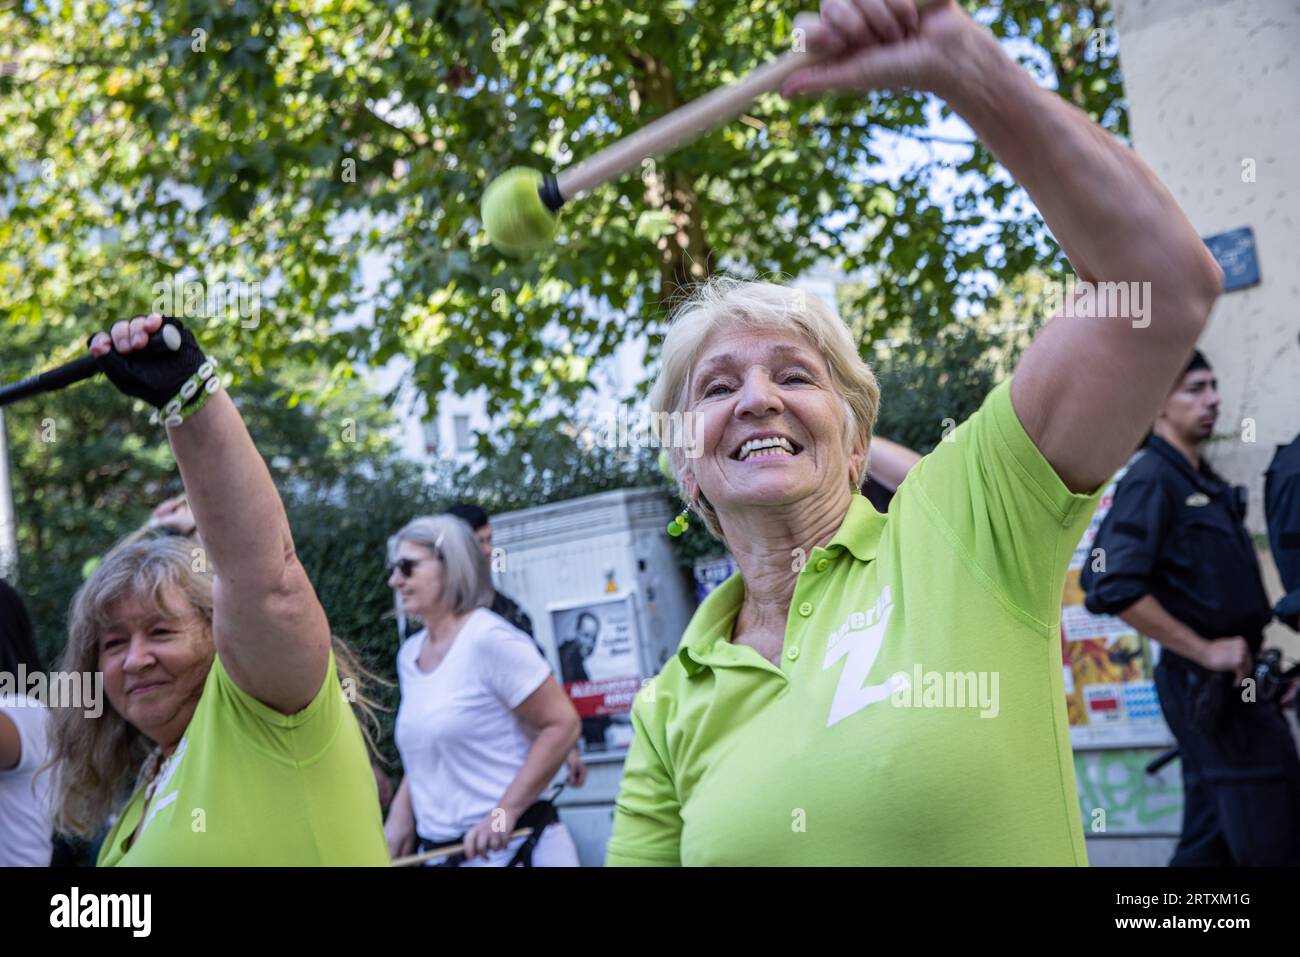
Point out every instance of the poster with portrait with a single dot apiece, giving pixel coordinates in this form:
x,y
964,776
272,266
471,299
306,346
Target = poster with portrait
x,y
599,650
1110,690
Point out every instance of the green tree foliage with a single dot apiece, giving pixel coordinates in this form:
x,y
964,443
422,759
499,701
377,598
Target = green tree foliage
x,y
931,383
87,467
309,135
277,144
536,461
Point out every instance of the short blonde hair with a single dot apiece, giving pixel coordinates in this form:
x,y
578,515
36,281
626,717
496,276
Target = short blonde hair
x,y
760,305
467,580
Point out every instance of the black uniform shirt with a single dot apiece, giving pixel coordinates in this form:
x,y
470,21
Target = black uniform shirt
x,y
509,609
1177,535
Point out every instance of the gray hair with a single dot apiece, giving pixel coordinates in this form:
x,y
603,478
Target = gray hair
x,y
762,305
467,580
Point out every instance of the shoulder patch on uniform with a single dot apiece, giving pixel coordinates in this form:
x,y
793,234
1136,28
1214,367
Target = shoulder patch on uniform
x,y
1198,499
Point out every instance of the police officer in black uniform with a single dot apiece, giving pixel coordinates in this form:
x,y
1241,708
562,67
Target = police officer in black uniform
x,y
1177,563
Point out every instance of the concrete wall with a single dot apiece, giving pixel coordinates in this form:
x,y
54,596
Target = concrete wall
x,y
1212,86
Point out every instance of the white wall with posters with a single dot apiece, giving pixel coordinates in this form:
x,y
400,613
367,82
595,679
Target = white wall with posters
x,y
609,605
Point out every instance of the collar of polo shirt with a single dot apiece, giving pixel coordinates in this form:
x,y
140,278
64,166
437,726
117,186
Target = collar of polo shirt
x,y
709,634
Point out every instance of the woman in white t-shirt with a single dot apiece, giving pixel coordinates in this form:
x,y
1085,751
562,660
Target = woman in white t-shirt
x,y
483,726
25,822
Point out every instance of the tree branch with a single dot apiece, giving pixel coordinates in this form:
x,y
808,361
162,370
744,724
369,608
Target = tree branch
x,y
405,134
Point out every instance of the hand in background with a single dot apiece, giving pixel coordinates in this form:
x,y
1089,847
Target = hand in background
x,y
174,514
577,769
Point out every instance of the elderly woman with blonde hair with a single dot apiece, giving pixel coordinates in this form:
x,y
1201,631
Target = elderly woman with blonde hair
x,y
229,736
888,689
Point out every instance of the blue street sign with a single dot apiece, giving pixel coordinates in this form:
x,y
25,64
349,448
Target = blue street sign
x,y
1235,252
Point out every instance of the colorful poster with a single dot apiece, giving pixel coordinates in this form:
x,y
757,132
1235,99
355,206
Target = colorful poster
x,y
1109,689
600,664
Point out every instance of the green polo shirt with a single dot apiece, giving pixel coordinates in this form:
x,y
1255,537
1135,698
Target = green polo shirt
x,y
917,716
248,785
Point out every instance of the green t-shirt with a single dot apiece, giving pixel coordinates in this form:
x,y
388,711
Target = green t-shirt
x,y
918,713
248,785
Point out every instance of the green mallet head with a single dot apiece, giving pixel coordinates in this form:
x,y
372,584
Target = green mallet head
x,y
518,211
666,466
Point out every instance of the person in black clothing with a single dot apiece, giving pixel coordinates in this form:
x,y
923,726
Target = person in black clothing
x,y
17,636
575,651
1282,509
502,604
508,608
1177,563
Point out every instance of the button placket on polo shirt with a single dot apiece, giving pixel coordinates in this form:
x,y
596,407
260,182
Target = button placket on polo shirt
x,y
801,608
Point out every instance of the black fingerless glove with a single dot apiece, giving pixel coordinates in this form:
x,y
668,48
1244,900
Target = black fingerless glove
x,y
155,373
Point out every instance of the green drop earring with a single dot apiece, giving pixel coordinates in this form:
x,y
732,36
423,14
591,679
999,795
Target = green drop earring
x,y
680,523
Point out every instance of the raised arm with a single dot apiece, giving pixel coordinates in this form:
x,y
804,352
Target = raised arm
x,y
268,626
888,462
1088,388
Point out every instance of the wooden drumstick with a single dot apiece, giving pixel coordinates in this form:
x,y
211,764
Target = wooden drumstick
x,y
519,206
448,850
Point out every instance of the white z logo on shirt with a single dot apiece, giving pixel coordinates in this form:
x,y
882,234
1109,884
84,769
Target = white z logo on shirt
x,y
859,639
161,801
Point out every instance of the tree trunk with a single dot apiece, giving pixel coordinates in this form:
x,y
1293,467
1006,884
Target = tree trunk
x,y
685,256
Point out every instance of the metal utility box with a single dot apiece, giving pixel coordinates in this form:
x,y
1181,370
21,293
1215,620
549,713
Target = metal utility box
x,y
600,569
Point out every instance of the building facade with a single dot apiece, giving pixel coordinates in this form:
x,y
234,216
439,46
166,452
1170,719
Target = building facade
x,y
1214,108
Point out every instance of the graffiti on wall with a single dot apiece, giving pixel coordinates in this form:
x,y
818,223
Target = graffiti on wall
x,y
1118,797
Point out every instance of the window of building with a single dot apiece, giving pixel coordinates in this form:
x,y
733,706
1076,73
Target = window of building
x,y
464,437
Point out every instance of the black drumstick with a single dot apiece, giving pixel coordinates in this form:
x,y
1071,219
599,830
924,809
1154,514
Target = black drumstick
x,y
166,339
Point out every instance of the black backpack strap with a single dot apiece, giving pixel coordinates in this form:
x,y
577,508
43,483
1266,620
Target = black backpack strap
x,y
539,816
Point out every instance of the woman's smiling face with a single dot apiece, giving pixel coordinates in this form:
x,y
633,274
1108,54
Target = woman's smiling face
x,y
155,663
770,421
